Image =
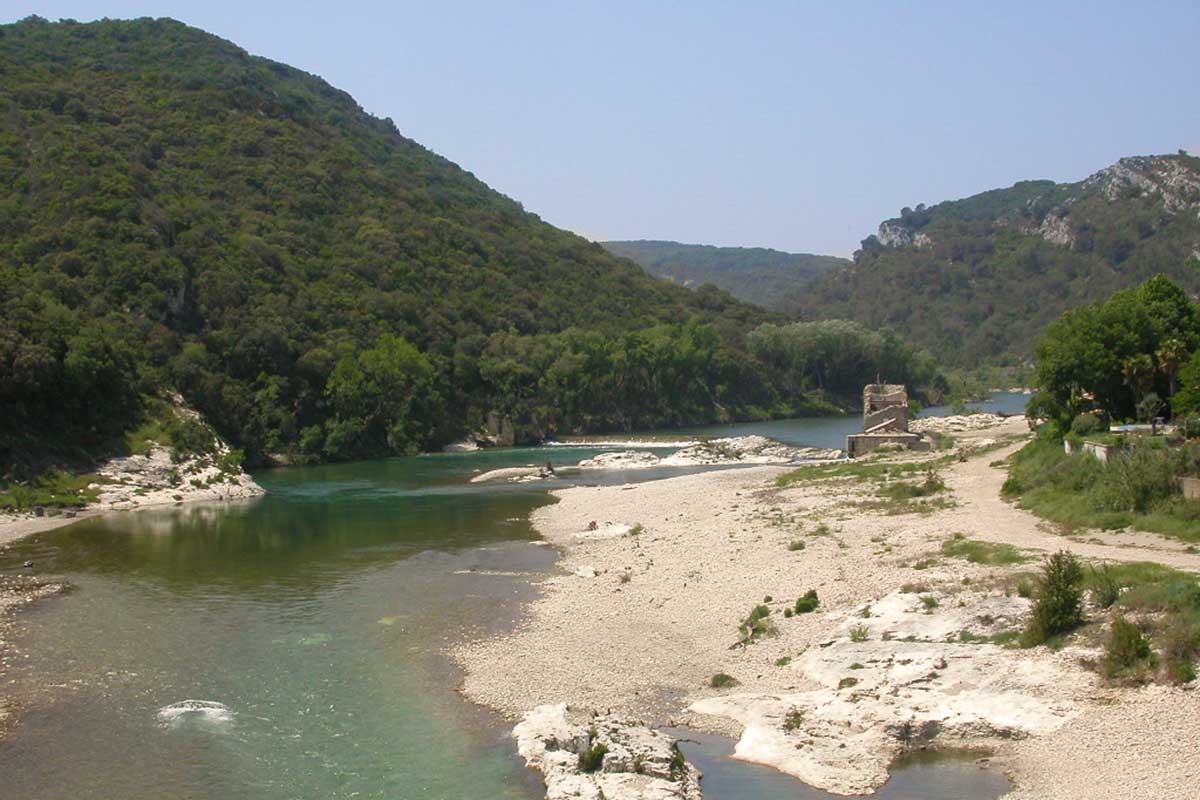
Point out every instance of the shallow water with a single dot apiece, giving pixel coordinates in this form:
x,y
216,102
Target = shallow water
x,y
288,647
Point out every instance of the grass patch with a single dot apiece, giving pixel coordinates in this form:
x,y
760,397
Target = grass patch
x,y
903,490
859,633
1137,488
783,661
795,545
862,469
52,489
958,546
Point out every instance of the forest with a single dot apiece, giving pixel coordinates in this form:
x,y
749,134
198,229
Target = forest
x,y
179,216
757,275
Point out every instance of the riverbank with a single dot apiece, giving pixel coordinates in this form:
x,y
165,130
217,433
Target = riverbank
x,y
155,478
879,665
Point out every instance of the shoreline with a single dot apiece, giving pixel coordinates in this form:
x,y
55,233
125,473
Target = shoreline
x,y
715,544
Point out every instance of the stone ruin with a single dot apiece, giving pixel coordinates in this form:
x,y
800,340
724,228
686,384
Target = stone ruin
x,y
885,421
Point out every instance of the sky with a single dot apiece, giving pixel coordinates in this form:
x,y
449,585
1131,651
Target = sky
x,y
798,126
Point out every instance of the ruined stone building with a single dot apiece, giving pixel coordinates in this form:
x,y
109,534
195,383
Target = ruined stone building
x,y
885,421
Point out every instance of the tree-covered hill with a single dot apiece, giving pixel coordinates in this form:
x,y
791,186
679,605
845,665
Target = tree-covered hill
x,y
755,274
977,280
179,216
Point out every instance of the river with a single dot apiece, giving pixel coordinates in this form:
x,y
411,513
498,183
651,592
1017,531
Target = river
x,y
310,624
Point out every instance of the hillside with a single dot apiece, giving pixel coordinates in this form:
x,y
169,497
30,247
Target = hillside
x,y
178,215
755,274
977,280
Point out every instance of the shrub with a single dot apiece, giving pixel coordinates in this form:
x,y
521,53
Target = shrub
x,y
592,759
1058,607
929,603
783,661
795,545
859,633
807,602
1087,424
1127,652
756,625
1180,648
722,681
846,683
1136,480
792,720
1105,586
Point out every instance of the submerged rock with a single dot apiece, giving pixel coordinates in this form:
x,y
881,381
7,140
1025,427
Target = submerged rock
x,y
592,756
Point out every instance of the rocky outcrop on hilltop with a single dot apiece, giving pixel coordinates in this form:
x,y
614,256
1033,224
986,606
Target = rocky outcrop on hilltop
x,y
591,756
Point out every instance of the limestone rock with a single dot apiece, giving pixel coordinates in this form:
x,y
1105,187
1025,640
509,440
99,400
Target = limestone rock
x,y
913,679
638,763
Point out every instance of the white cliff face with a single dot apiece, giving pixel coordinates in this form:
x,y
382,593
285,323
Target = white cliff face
x,y
629,760
910,679
895,234
1178,186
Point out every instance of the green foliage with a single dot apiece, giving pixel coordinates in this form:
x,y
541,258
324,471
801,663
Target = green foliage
x,y
860,469
1087,424
51,489
975,281
178,214
932,484
1181,648
756,625
1137,487
793,720
832,356
1119,352
796,544
958,546
1127,653
722,681
592,758
859,633
754,274
807,602
1058,607
1104,586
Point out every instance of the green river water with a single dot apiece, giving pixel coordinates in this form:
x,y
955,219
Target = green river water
x,y
313,622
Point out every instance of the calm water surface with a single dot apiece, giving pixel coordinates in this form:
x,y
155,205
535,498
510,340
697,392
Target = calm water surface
x,y
309,622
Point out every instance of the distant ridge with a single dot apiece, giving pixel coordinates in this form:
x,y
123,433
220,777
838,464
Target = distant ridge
x,y
755,274
977,280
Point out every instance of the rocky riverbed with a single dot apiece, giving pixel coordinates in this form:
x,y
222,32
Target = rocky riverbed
x,y
903,649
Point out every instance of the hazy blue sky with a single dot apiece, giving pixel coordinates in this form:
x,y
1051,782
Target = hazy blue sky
x,y
790,125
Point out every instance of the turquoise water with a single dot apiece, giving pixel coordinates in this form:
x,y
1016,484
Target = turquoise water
x,y
310,623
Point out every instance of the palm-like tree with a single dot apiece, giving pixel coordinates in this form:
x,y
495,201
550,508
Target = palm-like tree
x,y
1171,355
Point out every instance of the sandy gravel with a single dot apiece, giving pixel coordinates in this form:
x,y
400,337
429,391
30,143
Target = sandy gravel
x,y
715,544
